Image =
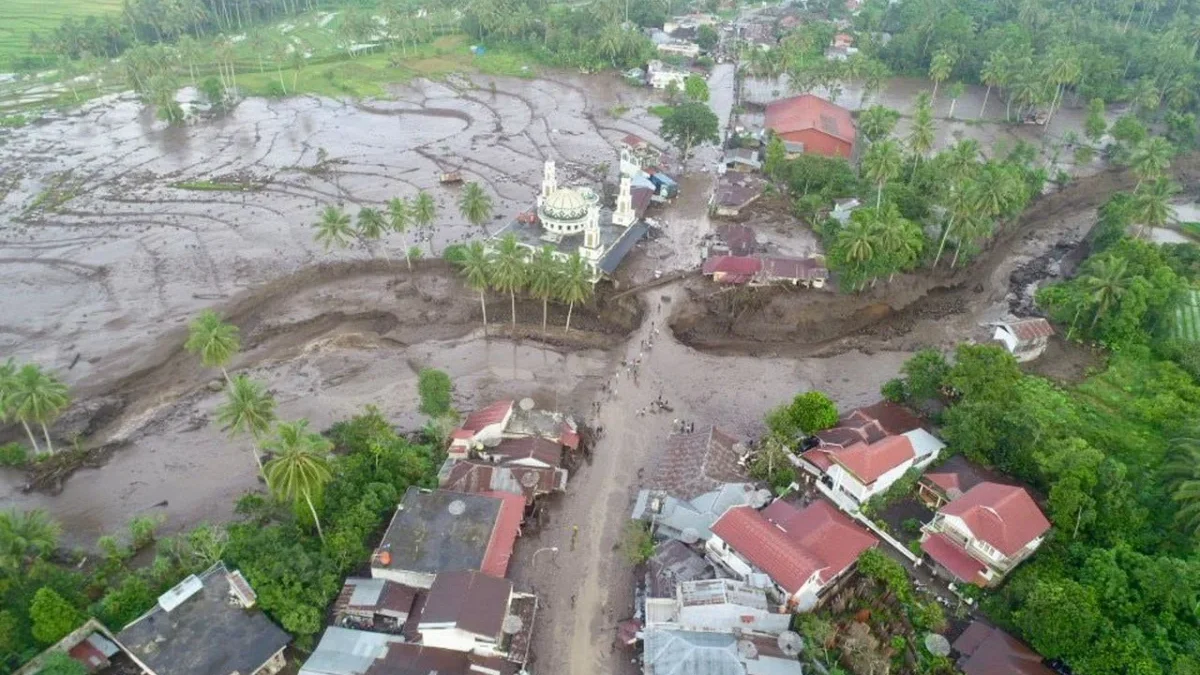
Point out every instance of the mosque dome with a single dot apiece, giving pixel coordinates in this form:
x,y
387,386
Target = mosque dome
x,y
565,204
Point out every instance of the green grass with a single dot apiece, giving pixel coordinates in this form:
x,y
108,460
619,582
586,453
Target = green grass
x,y
1191,229
19,17
215,186
659,110
1187,318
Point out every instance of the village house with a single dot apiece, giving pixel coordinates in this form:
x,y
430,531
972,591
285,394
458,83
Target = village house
x,y
981,536
718,605
379,605
683,48
679,652
92,645
742,160
344,651
660,75
206,624
441,531
809,123
949,480
803,553
733,239
638,155
703,466
1025,339
861,457
986,650
486,429
766,270
477,475
672,564
473,612
691,520
733,193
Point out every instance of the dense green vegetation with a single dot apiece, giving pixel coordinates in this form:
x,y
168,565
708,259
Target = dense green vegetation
x,y
1116,457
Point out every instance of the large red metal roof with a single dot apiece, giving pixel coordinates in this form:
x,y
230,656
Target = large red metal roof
x,y
800,113
1004,516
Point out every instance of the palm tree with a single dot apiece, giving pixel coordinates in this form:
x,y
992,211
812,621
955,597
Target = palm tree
x,y
955,93
399,216
899,241
300,469
544,273
37,397
877,122
962,158
475,205
940,68
996,190
334,229
882,163
960,203
26,536
1064,69
575,284
1183,459
371,226
1151,158
248,408
508,271
1106,283
1152,203
856,241
213,340
424,213
971,230
476,266
992,74
1187,496
921,136
8,372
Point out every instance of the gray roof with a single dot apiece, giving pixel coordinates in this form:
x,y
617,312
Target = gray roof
x,y
204,634
629,239
343,651
681,652
440,531
471,601
674,563
697,514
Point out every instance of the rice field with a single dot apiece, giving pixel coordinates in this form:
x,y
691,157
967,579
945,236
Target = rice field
x,y
1187,318
18,18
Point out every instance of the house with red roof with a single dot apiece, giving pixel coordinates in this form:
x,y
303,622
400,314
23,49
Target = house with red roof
x,y
801,552
869,450
981,536
809,123
482,426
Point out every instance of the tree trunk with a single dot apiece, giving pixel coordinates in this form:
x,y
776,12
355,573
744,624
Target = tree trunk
x,y
316,520
953,102
983,107
545,302
954,260
512,298
32,440
483,305
570,308
281,84
46,435
879,196
934,96
942,245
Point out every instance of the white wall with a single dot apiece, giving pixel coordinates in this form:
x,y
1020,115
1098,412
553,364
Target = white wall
x,y
726,617
846,481
417,579
456,639
720,552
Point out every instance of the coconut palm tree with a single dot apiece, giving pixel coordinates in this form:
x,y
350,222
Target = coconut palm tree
x,y
1183,458
8,371
955,92
334,229
26,536
921,136
424,214
371,226
881,163
544,273
300,469
940,68
1106,282
1151,158
992,74
971,230
962,158
213,340
1152,203
877,122
476,264
248,409
508,271
37,397
575,284
898,240
960,203
399,216
997,189
475,205
856,242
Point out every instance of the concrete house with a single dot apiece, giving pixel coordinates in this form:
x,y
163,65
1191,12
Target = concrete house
x,y
1025,339
206,624
487,428
474,475
809,123
949,481
473,612
344,651
984,650
660,75
981,536
689,520
798,554
720,605
444,531
482,426
680,652
378,605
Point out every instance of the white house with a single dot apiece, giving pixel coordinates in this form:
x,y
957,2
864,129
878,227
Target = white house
x,y
721,605
797,555
682,48
863,470
660,76
979,537
1025,339
482,427
465,612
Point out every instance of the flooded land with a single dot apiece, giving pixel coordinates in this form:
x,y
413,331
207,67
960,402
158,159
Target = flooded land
x,y
111,246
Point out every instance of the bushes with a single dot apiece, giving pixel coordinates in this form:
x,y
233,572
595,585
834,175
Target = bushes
x,y
13,454
636,543
807,414
434,387
52,616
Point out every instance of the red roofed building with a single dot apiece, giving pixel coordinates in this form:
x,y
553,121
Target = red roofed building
x,y
809,123
984,650
483,425
802,551
979,537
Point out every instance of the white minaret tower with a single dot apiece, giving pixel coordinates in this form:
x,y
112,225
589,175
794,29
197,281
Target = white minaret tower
x,y
624,215
549,182
591,250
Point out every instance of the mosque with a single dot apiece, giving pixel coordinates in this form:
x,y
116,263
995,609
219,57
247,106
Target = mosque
x,y
572,219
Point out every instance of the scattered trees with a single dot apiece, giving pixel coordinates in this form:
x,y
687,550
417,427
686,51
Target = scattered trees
x,y
52,616
808,413
475,205
334,228
30,395
689,125
300,469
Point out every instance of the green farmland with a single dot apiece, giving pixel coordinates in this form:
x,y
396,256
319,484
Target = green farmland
x,y
1187,318
19,17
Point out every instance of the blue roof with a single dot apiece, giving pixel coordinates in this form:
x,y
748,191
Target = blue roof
x,y
623,246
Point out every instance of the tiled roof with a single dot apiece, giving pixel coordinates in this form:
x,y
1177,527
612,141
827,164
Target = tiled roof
x,y
696,463
807,111
954,558
504,534
869,462
485,417
789,545
955,476
529,447
1004,516
987,650
1030,329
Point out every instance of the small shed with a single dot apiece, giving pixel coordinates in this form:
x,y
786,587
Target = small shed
x,y
1025,339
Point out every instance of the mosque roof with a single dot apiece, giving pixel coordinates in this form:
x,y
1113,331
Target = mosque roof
x,y
565,204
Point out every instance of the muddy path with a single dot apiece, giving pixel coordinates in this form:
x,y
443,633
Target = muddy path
x,y
914,310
